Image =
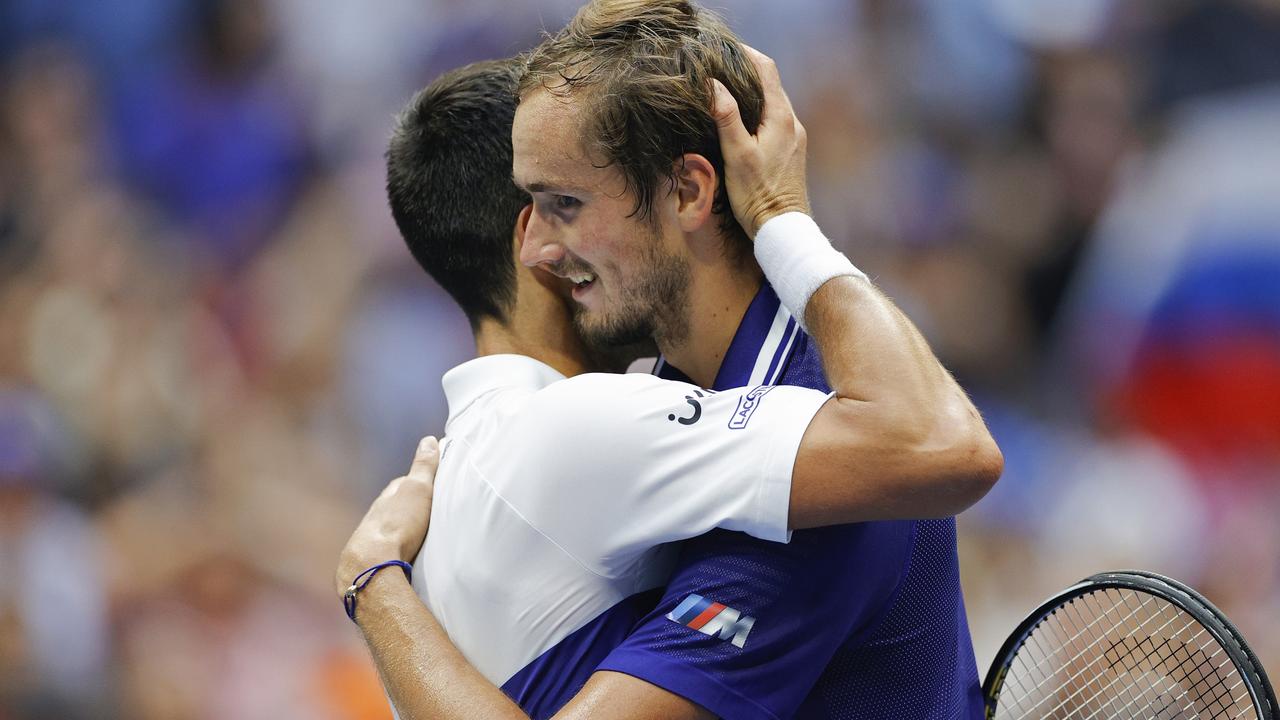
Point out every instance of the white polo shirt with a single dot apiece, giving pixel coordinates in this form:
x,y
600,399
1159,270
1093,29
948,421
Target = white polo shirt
x,y
554,495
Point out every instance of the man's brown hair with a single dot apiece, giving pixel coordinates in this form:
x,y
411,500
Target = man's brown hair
x,y
647,66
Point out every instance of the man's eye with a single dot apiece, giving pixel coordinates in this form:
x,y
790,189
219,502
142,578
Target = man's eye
x,y
565,202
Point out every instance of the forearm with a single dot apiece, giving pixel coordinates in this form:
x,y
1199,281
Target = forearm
x,y
424,673
872,353
900,439
870,350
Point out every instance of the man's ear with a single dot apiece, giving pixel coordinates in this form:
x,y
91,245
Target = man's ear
x,y
696,185
522,224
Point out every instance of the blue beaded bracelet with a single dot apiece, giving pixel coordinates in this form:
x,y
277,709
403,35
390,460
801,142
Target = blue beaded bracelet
x,y
349,597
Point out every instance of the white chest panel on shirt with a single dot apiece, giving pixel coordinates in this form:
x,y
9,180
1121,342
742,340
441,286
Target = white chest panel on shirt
x,y
504,591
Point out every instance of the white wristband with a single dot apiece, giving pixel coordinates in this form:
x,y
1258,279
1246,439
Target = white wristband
x,y
797,259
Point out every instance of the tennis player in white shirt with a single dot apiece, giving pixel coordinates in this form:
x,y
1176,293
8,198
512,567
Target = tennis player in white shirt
x,y
558,487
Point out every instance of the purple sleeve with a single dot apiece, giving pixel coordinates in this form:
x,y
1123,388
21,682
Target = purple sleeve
x,y
745,628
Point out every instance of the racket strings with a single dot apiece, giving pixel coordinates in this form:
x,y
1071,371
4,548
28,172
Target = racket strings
x,y
1089,667
1157,693
1129,692
1118,653
1202,684
1041,637
1155,684
1048,656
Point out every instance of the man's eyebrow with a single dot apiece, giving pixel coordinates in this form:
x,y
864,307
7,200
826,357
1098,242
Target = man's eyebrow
x,y
552,187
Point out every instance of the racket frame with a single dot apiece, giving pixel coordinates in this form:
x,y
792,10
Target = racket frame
x,y
1180,595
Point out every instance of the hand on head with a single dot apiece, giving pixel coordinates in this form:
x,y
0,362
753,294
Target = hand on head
x,y
765,172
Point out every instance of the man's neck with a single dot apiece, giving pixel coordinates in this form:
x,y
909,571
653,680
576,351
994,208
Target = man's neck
x,y
562,351
718,300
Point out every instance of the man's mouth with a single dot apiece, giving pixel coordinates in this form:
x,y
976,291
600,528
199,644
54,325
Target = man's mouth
x,y
583,282
581,279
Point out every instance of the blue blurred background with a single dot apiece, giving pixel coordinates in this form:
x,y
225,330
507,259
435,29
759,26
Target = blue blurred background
x,y
214,350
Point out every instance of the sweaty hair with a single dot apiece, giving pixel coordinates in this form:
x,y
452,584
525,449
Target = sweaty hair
x,y
645,67
449,184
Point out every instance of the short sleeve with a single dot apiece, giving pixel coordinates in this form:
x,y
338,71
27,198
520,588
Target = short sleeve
x,y
609,466
746,628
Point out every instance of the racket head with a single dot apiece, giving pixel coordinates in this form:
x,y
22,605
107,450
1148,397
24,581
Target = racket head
x,y
1117,640
1266,691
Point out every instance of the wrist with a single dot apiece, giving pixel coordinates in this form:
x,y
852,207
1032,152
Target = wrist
x,y
773,208
355,561
797,259
358,592
383,592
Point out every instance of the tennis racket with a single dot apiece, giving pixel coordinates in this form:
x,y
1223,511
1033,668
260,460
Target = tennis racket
x,y
1127,644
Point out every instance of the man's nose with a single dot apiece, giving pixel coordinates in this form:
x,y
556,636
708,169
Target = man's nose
x,y
539,246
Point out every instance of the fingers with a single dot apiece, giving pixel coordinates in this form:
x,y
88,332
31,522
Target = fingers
x,y
777,106
426,459
728,119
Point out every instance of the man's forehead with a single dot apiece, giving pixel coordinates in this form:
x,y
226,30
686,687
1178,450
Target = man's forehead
x,y
542,105
547,140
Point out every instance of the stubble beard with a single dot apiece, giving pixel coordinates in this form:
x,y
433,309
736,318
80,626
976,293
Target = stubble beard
x,y
653,307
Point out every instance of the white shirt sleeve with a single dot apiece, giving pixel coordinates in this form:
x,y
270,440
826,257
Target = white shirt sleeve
x,y
613,465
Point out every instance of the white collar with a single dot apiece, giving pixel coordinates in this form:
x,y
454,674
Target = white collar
x,y
465,383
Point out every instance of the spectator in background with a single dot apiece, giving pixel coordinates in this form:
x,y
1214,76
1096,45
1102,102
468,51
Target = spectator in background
x,y
1186,268
54,634
217,139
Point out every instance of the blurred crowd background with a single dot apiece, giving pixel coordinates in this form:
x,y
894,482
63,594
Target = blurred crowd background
x,y
214,350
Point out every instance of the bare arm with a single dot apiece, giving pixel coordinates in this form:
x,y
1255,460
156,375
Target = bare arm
x,y
422,670
427,677
615,696
900,439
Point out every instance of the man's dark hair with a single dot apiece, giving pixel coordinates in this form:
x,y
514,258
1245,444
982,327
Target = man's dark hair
x,y
449,184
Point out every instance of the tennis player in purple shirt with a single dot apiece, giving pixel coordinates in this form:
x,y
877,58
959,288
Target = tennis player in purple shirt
x,y
848,621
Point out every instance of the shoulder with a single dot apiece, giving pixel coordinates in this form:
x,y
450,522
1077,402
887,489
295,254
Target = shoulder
x,y
598,421
598,403
613,384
